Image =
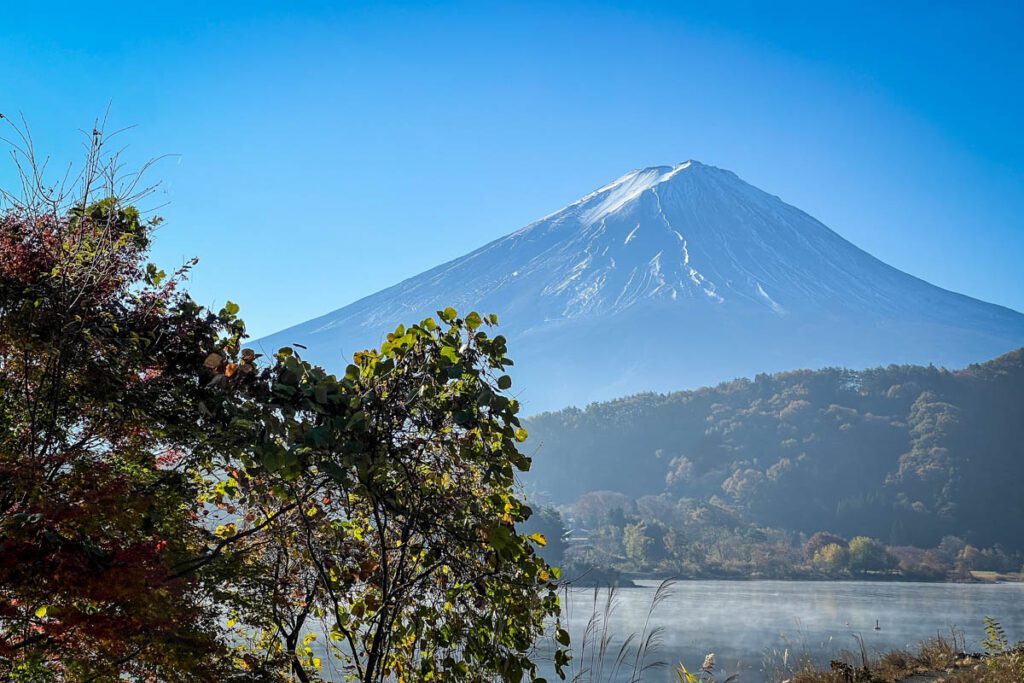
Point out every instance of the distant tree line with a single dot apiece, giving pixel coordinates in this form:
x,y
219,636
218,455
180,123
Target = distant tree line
x,y
606,533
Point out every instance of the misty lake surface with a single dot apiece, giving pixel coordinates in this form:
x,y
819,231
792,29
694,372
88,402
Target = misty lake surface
x,y
750,625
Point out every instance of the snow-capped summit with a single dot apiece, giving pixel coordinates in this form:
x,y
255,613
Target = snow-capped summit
x,y
671,277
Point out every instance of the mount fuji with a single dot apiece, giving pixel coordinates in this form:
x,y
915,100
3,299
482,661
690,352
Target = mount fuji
x,y
673,277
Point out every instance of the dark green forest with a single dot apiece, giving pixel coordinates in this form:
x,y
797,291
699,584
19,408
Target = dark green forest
x,y
904,454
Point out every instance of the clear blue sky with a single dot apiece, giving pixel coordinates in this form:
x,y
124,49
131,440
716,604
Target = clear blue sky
x,y
327,150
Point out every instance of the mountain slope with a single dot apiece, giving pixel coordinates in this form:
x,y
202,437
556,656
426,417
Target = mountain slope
x,y
907,454
677,276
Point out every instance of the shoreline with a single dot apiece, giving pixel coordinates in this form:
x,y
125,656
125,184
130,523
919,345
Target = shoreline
x,y
629,579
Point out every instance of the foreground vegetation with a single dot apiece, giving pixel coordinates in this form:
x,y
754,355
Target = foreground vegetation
x,y
173,509
939,659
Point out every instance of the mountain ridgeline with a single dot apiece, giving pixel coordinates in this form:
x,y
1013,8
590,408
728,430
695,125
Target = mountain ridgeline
x,y
907,454
675,277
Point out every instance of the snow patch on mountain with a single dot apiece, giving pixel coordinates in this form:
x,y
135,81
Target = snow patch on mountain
x,y
732,275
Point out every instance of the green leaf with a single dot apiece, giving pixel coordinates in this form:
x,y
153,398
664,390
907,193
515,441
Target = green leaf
x,y
561,660
41,612
504,382
447,314
335,472
231,307
499,537
521,435
562,637
318,436
357,421
154,275
450,353
473,320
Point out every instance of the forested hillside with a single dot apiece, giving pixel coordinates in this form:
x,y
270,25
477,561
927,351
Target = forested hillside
x,y
905,454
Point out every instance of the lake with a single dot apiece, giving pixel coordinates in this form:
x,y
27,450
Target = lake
x,y
742,622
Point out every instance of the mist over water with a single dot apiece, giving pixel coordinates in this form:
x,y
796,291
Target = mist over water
x,y
749,625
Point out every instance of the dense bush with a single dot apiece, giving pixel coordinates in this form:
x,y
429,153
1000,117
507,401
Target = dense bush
x,y
171,508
